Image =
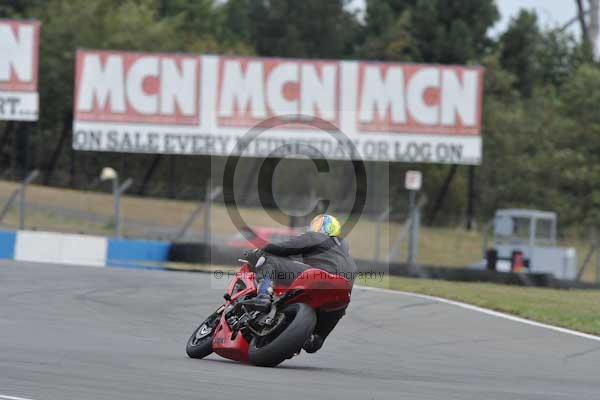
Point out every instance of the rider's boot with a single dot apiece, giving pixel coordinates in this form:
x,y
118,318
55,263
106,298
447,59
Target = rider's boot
x,y
313,343
265,289
264,295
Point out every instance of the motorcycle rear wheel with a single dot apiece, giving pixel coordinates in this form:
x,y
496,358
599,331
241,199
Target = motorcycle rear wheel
x,y
199,345
284,342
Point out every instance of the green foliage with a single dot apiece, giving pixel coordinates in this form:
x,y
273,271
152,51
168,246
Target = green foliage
x,y
380,14
541,125
536,57
291,28
453,31
579,168
559,55
520,45
542,151
440,31
394,42
142,25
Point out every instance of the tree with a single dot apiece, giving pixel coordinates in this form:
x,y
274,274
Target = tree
x,y
380,14
542,151
452,31
559,55
589,25
205,25
394,43
537,57
291,28
17,8
102,24
519,50
540,120
440,31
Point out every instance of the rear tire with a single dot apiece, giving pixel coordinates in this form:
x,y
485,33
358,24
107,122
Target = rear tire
x,y
287,342
199,345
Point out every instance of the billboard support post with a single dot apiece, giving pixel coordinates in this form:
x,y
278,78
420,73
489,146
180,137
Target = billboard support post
x,y
118,191
21,144
439,200
22,196
471,199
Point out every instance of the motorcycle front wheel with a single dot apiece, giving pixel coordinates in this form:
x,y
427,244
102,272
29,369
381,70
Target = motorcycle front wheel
x,y
297,322
199,345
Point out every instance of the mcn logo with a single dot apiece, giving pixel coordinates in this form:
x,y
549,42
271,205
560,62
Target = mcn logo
x,y
252,90
18,55
137,88
205,104
419,98
389,97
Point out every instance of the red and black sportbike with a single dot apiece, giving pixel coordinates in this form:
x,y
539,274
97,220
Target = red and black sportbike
x,y
267,334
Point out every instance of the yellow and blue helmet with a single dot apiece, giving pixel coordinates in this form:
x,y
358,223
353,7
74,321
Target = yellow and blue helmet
x,y
327,224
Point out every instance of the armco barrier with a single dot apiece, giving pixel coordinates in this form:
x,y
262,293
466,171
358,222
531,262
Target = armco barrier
x,y
130,253
7,245
201,254
98,251
60,248
53,247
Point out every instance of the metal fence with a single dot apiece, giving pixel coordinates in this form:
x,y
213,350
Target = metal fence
x,y
382,237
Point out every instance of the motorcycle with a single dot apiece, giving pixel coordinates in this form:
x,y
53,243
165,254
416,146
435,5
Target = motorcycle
x,y
267,334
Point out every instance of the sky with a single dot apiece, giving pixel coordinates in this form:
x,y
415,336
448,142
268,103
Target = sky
x,y
550,12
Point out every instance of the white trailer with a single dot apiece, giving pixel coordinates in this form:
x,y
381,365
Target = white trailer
x,y
528,238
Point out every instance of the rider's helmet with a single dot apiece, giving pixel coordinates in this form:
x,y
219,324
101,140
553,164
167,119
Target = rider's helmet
x,y
327,224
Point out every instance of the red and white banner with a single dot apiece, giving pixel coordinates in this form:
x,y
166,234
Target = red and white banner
x,y
19,50
182,104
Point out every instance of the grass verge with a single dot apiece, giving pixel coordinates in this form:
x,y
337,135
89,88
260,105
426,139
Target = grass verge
x,y
573,309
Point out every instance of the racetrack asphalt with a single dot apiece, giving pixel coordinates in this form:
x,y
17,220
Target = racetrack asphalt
x,y
81,333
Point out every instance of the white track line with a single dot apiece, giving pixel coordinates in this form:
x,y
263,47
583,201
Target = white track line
x,y
13,398
486,311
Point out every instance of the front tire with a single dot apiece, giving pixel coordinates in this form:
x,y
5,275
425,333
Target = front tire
x,y
199,345
298,325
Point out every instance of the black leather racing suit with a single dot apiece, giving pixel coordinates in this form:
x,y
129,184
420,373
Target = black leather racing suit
x,y
285,261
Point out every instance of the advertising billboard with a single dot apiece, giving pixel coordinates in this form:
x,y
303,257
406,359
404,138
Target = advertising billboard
x,y
19,49
207,104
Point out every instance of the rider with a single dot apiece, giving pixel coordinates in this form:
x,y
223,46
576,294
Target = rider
x,y
322,248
